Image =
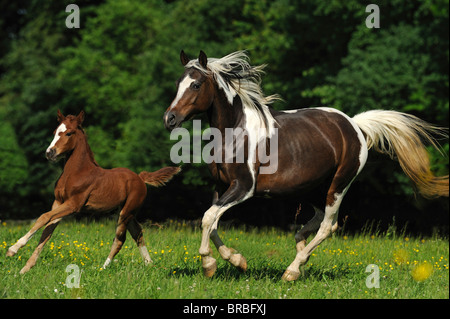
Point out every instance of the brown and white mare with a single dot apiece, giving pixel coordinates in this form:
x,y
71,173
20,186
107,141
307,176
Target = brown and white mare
x,y
85,186
320,150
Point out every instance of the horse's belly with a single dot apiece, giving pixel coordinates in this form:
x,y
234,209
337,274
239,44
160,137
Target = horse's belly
x,y
294,178
106,196
103,203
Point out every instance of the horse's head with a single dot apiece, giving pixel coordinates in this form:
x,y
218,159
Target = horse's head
x,y
64,139
195,93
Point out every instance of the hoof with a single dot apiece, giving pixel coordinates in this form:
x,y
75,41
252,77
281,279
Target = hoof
x,y
148,261
239,261
24,270
209,266
107,262
290,275
10,253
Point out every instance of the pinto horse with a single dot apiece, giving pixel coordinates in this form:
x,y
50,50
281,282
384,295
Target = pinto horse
x,y
85,186
320,151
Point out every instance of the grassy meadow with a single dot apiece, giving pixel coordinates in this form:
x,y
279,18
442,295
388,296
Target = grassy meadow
x,y
409,267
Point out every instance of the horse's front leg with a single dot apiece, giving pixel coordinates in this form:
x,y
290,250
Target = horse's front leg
x,y
50,220
46,234
235,194
227,253
40,222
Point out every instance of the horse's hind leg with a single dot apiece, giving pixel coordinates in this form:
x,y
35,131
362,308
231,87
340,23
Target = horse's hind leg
x,y
327,227
119,239
136,232
311,226
127,215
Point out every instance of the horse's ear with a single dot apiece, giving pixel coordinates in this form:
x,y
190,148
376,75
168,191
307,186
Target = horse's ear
x,y
80,118
183,58
202,59
60,116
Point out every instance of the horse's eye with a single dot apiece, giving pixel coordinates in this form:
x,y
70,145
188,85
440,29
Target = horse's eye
x,y
196,85
69,133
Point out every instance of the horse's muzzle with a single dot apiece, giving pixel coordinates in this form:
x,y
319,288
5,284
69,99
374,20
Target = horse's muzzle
x,y
171,121
51,155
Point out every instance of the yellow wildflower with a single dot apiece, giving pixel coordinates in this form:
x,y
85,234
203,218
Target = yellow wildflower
x,y
422,272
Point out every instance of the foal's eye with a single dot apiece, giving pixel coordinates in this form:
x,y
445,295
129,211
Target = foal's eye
x,y
196,85
69,133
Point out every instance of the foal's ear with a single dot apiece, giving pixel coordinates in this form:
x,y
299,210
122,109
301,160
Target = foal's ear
x,y
80,118
183,58
60,116
202,59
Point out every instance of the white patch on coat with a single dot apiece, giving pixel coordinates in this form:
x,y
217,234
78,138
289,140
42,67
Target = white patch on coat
x,y
61,129
363,153
182,87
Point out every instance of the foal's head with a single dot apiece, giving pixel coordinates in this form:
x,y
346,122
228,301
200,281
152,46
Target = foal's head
x,y
65,136
195,93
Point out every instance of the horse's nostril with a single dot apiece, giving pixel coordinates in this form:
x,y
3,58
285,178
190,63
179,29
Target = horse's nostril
x,y
171,119
50,154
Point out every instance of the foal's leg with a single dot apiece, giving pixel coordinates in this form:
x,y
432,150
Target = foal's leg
x,y
46,234
119,239
235,194
58,211
134,201
136,232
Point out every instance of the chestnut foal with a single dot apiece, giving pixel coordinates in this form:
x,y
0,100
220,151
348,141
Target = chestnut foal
x,y
85,186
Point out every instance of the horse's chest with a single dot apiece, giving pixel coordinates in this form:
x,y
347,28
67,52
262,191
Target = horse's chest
x,y
70,186
60,189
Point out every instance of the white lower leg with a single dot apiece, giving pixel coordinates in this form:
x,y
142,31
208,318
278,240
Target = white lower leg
x,y
145,255
226,253
292,272
208,263
107,262
20,243
209,224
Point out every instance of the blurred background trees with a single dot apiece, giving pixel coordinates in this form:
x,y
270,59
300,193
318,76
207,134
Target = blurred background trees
x,y
121,64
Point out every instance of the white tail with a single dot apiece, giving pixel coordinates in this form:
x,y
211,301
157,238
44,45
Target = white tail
x,y
404,137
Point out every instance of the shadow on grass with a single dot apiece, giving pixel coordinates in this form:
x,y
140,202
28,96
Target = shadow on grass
x,y
258,272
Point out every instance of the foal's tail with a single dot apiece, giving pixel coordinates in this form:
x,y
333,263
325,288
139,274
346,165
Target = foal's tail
x,y
160,177
404,137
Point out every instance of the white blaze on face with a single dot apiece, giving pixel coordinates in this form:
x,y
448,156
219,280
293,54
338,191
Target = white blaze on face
x,y
61,129
183,86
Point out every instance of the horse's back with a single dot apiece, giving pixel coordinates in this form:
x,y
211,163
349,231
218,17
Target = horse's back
x,y
125,179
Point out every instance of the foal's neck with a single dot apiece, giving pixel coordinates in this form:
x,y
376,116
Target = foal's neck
x,y
81,157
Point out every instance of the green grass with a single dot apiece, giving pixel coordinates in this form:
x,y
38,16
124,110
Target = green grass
x,y
335,270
